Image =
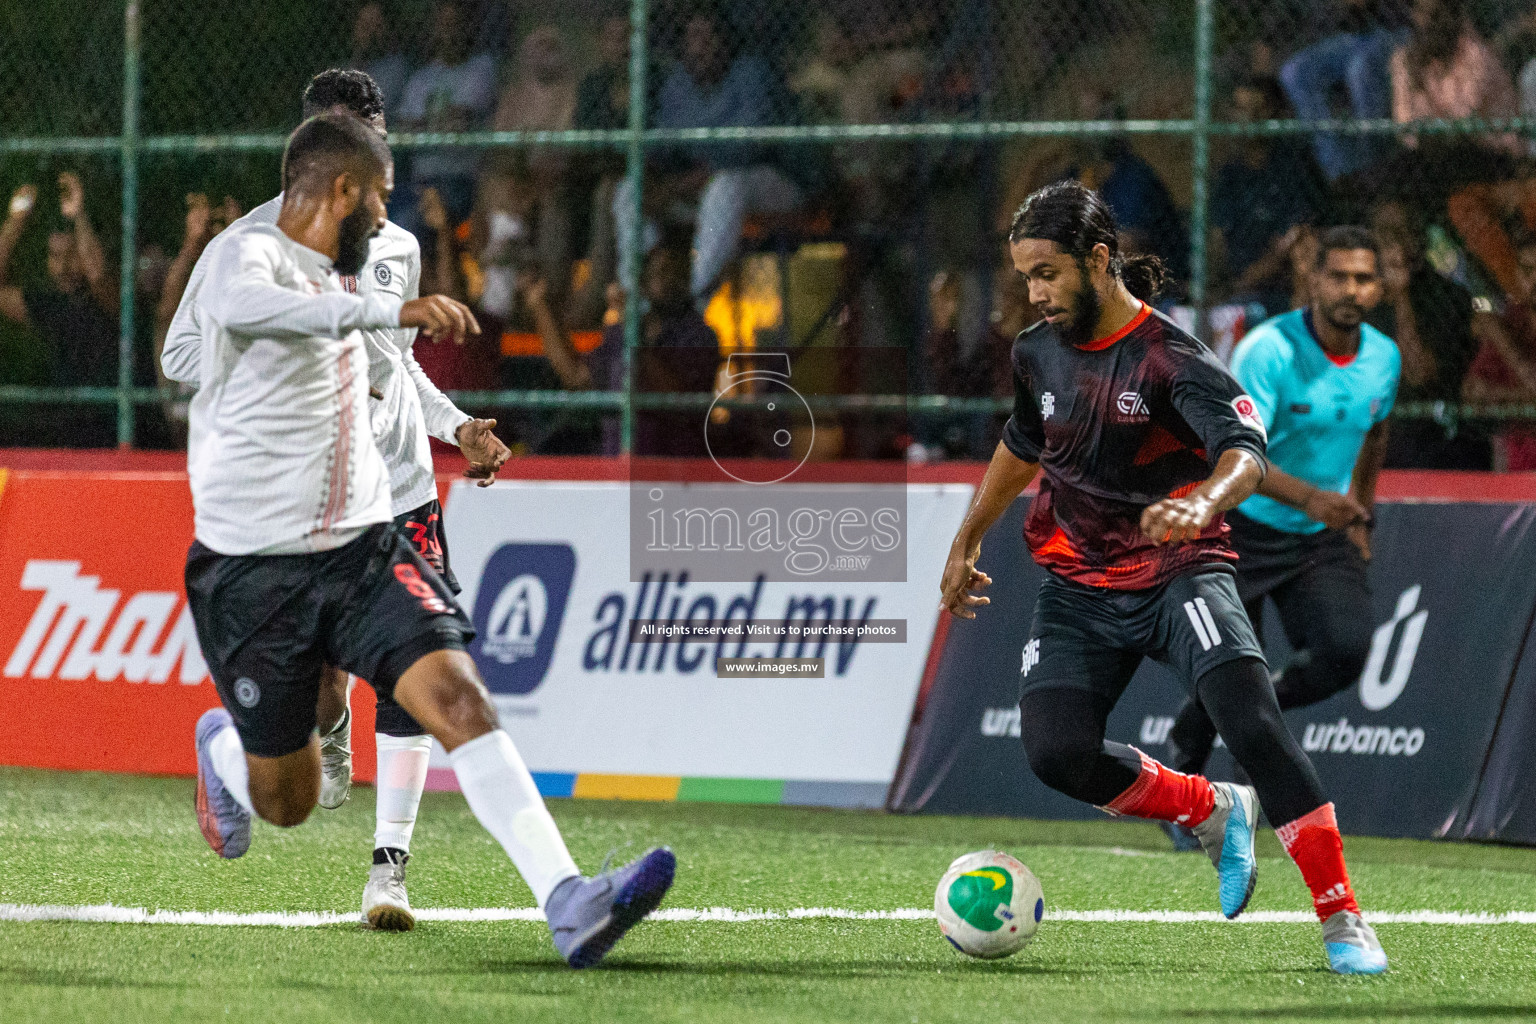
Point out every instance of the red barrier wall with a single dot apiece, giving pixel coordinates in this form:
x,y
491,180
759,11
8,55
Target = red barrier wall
x,y
99,668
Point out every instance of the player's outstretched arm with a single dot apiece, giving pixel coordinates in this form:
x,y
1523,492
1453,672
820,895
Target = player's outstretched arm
x,y
1334,510
1007,476
241,293
1176,520
444,318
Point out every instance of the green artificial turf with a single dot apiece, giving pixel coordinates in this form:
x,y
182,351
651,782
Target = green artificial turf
x,y
92,839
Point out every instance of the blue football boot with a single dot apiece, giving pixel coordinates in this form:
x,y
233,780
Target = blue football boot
x,y
225,824
1227,836
588,915
1352,945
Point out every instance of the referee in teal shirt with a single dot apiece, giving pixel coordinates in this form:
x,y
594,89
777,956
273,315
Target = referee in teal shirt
x,y
1323,382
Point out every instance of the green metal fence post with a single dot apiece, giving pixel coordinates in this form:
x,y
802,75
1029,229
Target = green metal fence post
x,y
634,176
1200,164
130,170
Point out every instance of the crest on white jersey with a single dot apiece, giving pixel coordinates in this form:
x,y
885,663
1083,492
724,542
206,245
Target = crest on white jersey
x,y
382,274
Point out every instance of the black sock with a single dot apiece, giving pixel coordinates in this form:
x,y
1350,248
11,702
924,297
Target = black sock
x,y
390,855
1192,737
1241,702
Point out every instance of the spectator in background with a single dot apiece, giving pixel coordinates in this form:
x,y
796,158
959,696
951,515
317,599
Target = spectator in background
x,y
1505,368
1258,198
1438,334
1479,212
455,92
203,222
978,372
602,97
376,50
542,97
1301,246
710,88
464,364
681,353
501,236
1356,56
1144,208
1446,70
602,102
822,84
75,312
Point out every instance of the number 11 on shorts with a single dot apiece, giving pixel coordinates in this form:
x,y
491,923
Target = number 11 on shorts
x,y
1205,626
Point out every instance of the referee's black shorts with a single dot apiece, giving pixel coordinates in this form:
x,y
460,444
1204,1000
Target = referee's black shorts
x,y
1092,638
268,623
1318,581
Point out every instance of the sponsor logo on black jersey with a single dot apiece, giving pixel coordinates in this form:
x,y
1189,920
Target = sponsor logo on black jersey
x,y
1132,407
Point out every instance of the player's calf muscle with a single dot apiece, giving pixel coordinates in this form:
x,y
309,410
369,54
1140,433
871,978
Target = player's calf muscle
x,y
285,789
443,692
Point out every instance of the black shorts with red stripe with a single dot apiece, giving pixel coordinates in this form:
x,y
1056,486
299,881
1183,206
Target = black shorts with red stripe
x,y
423,528
268,624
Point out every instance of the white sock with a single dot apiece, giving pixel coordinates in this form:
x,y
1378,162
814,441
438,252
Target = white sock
x,y
402,776
228,758
502,794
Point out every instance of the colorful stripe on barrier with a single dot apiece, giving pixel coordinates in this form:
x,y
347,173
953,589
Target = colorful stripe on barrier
x,y
669,788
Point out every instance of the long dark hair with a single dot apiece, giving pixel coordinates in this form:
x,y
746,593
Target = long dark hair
x,y
1077,218
1438,41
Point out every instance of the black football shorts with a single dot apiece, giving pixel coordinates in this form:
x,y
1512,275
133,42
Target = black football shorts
x,y
268,623
1090,638
423,528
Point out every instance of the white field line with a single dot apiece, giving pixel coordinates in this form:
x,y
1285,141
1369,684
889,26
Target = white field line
x,y
107,913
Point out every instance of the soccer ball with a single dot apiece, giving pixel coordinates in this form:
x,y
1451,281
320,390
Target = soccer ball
x,y
988,904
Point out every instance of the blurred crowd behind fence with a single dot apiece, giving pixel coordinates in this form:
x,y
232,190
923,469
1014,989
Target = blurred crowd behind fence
x,y
797,176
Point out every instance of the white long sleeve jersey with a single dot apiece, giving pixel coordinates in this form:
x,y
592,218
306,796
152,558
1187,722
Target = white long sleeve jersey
x,y
280,455
411,409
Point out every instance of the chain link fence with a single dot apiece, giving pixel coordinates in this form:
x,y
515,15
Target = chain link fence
x,y
837,175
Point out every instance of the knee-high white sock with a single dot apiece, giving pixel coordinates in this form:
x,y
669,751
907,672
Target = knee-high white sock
x,y
228,759
402,776
502,794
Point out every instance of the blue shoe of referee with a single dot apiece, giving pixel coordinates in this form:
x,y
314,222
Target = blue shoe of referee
x,y
225,824
1352,945
588,915
1227,836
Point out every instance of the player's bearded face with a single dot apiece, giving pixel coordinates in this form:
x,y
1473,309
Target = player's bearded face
x,y
1084,306
357,230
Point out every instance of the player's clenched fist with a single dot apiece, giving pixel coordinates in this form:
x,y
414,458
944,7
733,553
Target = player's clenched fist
x,y
960,578
440,317
1176,520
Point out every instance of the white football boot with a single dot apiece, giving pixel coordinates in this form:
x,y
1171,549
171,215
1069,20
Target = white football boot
x,y
385,904
336,763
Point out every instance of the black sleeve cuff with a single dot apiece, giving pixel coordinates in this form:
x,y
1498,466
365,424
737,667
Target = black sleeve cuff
x,y
1252,447
1022,447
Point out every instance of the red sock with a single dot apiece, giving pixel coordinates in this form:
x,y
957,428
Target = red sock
x,y
1162,794
1314,843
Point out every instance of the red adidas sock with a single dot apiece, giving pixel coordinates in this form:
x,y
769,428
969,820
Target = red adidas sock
x,y
1162,794
1314,843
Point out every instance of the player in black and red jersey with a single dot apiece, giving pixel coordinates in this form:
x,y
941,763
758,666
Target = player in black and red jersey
x,y
1145,440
